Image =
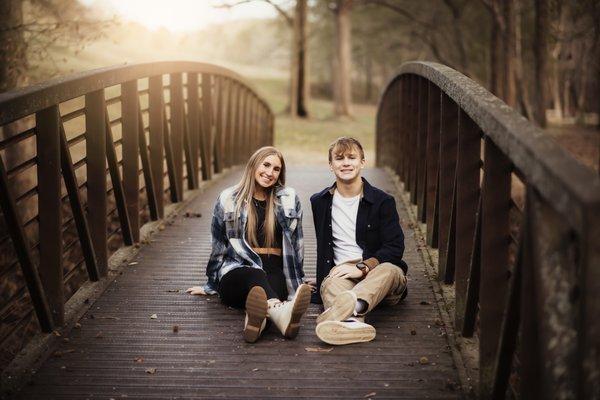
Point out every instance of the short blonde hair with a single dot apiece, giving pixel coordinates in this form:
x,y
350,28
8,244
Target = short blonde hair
x,y
345,144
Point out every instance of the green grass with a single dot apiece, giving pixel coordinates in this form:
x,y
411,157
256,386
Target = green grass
x,y
305,141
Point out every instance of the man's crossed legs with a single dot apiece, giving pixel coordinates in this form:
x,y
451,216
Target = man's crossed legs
x,y
346,302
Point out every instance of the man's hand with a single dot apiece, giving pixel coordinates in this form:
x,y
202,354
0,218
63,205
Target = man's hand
x,y
348,271
197,290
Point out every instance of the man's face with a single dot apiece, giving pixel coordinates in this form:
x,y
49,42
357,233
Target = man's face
x,y
347,166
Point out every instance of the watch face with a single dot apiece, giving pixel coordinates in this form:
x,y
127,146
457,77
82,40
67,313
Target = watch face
x,y
361,266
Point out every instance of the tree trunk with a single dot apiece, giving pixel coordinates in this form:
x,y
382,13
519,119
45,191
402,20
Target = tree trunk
x,y
299,82
509,50
13,48
495,54
523,100
341,73
540,46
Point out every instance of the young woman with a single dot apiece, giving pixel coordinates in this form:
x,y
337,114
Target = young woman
x,y
257,248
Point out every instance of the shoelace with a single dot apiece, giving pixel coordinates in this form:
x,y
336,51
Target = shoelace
x,y
280,304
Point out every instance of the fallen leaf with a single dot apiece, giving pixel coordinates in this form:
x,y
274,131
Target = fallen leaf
x,y
319,349
151,370
370,394
423,360
175,328
133,263
254,369
99,335
153,316
139,360
173,291
56,333
424,303
77,325
439,322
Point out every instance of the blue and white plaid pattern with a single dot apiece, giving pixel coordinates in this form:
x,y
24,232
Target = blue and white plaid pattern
x,y
230,249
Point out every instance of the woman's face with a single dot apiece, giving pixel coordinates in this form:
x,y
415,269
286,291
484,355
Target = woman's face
x,y
267,173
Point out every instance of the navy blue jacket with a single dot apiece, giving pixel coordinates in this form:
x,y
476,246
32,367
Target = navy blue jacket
x,y
378,231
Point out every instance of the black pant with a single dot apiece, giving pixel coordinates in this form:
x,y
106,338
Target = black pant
x,y
236,284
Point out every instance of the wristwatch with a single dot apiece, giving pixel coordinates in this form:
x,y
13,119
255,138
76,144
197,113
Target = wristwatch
x,y
364,268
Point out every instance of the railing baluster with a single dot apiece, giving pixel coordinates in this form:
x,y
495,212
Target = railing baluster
x,y
147,170
422,114
207,125
95,122
177,122
156,140
219,131
473,283
494,257
118,191
510,321
467,196
413,164
173,181
549,345
81,224
130,151
193,126
448,149
433,159
19,239
50,268
405,126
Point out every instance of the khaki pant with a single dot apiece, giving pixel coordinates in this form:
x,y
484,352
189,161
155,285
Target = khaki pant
x,y
384,284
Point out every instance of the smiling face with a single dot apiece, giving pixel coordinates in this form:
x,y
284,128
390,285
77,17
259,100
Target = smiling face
x,y
347,165
267,172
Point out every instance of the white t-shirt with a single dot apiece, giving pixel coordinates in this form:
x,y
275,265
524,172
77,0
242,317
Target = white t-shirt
x,y
343,225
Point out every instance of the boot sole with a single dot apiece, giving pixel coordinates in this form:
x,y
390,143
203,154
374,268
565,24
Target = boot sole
x,y
337,333
341,309
256,310
300,306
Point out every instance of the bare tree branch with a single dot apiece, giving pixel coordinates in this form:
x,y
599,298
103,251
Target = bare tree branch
x,y
406,14
288,19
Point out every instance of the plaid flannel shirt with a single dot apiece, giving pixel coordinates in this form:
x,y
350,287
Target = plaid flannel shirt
x,y
231,250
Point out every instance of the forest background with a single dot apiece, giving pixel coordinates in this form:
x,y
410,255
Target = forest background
x,y
326,62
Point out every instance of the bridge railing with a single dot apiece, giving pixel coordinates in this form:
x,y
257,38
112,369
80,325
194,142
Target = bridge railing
x,y
73,152
517,224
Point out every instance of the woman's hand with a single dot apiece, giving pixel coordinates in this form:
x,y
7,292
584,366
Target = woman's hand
x,y
197,290
312,282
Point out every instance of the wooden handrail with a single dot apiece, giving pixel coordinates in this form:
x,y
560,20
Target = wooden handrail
x,y
204,128
458,149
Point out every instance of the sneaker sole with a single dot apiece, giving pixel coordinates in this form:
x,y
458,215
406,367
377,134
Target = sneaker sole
x,y
341,309
300,306
337,333
256,309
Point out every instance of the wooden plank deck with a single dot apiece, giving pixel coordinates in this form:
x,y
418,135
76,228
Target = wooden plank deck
x,y
207,357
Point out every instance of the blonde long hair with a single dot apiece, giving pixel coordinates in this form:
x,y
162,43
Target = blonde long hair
x,y
245,190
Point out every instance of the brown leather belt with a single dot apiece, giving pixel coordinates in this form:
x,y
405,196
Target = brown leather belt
x,y
267,250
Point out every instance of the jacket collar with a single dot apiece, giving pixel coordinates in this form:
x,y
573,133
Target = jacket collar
x,y
366,193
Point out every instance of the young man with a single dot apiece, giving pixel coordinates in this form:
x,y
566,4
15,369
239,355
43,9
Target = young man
x,y
359,248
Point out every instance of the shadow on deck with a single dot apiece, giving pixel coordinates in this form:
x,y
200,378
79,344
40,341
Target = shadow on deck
x,y
193,348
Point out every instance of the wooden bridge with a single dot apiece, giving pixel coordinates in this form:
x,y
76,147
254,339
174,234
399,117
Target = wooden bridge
x,y
502,229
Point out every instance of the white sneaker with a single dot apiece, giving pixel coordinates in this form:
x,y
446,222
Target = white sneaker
x,y
345,332
286,315
342,308
256,314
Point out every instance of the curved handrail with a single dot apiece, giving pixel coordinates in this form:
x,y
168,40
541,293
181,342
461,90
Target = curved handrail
x,y
19,103
213,121
460,153
545,164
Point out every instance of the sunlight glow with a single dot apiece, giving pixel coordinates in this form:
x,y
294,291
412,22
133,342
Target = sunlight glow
x,y
180,15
